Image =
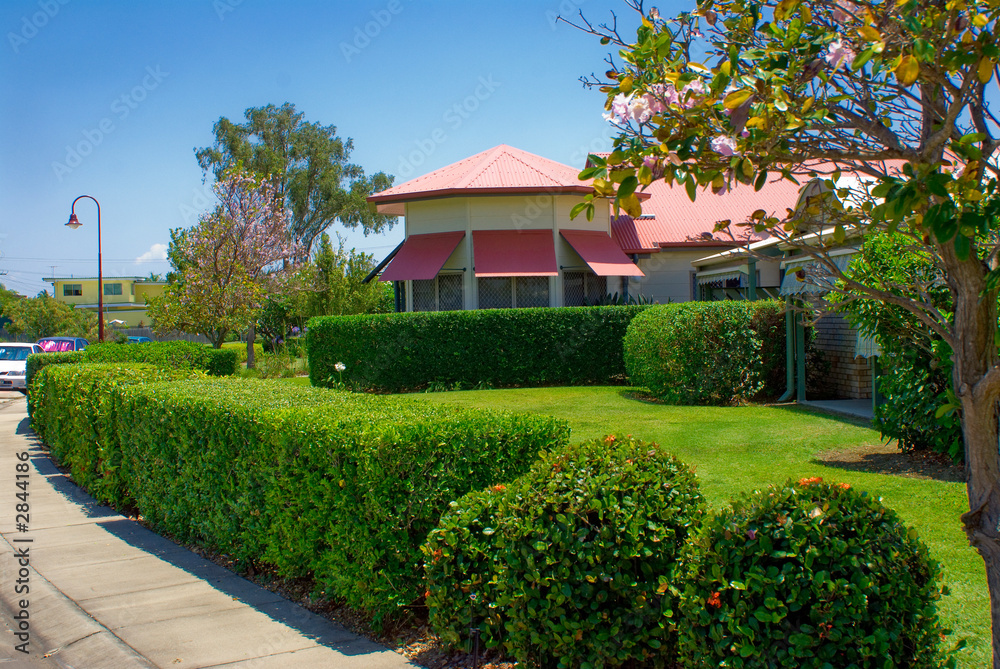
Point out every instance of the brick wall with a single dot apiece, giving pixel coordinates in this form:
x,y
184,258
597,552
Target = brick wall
x,y
849,377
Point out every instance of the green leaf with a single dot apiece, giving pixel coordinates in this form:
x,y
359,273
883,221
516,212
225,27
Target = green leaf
x,y
737,98
962,247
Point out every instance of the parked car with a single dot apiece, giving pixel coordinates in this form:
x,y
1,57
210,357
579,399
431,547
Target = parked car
x,y
13,364
138,340
61,344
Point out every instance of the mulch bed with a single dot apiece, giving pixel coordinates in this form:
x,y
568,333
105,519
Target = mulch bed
x,y
886,458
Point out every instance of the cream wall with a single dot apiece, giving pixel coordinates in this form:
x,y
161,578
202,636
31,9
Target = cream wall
x,y
509,212
668,275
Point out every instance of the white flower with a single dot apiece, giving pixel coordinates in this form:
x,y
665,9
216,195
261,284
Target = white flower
x,y
340,366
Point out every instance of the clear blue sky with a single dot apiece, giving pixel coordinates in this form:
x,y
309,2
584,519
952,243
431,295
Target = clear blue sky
x,y
110,99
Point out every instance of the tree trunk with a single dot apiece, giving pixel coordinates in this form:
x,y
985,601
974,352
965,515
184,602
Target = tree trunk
x,y
251,336
977,385
219,339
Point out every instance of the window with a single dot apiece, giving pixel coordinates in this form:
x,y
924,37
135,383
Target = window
x,y
583,288
112,289
513,292
444,292
72,289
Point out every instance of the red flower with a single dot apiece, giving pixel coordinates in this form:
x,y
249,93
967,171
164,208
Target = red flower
x,y
713,600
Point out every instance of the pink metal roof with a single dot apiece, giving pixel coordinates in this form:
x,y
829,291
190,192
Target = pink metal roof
x,y
601,253
671,218
500,170
514,253
422,256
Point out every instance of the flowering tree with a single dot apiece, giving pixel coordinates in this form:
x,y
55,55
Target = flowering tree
x,y
228,262
740,91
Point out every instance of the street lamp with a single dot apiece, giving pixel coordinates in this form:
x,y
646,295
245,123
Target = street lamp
x,y
75,223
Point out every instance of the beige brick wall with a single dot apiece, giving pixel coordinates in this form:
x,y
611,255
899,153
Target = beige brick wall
x,y
849,377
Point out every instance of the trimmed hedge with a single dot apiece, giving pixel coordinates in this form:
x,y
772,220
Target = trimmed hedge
x,y
494,347
38,360
340,487
169,355
708,352
75,415
575,563
810,575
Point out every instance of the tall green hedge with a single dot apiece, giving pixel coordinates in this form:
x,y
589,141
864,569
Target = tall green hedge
x,y
501,347
328,484
708,352
168,354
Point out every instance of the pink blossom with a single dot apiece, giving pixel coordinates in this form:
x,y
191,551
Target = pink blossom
x,y
619,109
693,93
844,11
839,53
724,146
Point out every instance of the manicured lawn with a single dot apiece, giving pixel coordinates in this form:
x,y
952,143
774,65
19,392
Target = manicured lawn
x,y
737,449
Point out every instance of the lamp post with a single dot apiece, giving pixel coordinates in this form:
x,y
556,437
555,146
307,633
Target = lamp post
x,y
75,223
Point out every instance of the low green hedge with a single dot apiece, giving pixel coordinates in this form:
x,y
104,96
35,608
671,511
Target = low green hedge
x,y
708,352
337,486
496,347
38,360
75,414
169,355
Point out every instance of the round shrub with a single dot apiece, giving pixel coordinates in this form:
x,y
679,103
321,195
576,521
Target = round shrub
x,y
809,575
460,563
589,552
707,352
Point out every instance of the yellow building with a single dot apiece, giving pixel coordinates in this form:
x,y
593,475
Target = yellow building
x,y
124,296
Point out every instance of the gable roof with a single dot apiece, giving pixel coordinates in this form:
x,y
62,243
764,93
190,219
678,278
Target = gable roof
x,y
502,170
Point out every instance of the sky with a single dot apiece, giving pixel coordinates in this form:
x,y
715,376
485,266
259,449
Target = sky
x,y
111,98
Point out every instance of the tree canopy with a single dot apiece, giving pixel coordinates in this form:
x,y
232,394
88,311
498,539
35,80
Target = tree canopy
x,y
895,94
222,264
309,165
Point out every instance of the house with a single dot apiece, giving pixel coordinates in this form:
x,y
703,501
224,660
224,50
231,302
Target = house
x,y
124,296
494,231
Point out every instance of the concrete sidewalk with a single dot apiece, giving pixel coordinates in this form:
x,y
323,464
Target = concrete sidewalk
x,y
106,592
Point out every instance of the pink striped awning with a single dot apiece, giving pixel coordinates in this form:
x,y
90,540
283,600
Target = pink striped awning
x,y
601,253
422,256
514,253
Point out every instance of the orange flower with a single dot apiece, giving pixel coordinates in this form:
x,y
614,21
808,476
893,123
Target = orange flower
x,y
499,487
427,593
810,481
610,439
845,486
714,600
436,555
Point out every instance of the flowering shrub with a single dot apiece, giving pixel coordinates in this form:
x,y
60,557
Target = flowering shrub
x,y
589,554
460,563
809,574
707,352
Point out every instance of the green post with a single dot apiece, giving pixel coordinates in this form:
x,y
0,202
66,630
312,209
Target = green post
x,y
752,279
876,395
800,358
789,352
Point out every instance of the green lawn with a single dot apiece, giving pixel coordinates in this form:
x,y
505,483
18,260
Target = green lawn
x,y
737,449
